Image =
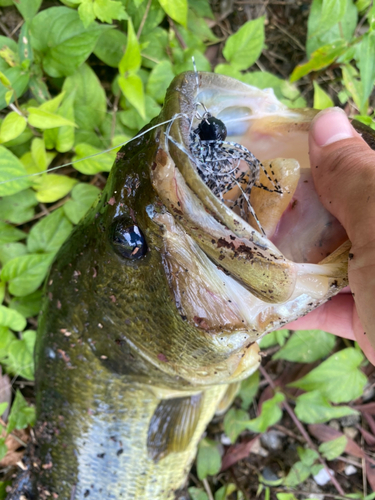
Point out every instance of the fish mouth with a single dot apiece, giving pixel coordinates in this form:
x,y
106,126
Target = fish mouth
x,y
231,276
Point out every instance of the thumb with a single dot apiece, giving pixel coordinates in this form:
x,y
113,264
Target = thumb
x,y
343,168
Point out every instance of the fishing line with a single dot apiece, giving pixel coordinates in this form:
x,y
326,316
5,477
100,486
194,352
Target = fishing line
x,y
175,117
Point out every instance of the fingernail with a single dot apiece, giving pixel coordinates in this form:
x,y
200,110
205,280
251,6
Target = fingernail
x,y
331,125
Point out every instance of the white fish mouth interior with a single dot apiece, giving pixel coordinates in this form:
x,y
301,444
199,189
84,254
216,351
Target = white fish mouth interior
x,y
268,129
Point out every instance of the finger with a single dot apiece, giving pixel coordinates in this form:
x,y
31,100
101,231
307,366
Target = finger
x,y
343,168
335,316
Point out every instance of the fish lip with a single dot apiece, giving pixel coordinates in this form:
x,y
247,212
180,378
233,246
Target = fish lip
x,y
184,181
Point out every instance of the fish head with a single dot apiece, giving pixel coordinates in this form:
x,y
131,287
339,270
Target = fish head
x,y
187,279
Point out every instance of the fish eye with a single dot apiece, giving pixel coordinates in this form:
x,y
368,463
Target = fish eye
x,y
128,240
211,129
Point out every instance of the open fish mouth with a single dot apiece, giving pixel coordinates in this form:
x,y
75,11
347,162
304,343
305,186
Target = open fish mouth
x,y
244,267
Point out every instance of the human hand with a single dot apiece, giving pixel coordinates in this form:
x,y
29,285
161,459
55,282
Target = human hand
x,y
343,168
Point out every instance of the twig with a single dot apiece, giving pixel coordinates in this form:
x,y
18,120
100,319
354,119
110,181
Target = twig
x,y
285,32
364,472
17,27
14,108
304,433
208,489
5,29
144,19
180,40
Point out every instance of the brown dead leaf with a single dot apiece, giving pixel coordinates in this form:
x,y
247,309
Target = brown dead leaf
x,y
366,408
15,447
236,453
367,436
371,422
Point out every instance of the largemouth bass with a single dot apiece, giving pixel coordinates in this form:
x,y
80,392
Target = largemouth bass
x,y
154,305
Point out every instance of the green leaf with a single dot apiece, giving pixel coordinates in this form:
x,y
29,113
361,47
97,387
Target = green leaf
x,y
29,305
342,29
18,208
198,26
354,86
21,414
52,187
62,138
60,36
224,492
285,496
132,119
338,378
11,168
2,292
244,47
108,10
90,101
27,8
274,338
366,65
11,319
270,414
45,120
235,421
49,234
132,88
52,105
334,448
19,78
159,80
307,456
332,13
208,458
21,355
139,15
155,45
3,452
3,407
111,47
26,273
10,250
314,408
197,493
8,233
86,12
177,10
38,153
6,338
83,196
322,57
25,49
202,8
12,126
131,60
248,390
297,474
307,346
321,98
100,163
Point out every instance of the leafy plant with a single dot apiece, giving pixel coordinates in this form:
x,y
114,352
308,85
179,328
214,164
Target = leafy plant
x,y
81,77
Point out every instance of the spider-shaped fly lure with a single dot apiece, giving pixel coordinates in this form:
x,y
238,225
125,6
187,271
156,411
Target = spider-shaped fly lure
x,y
218,164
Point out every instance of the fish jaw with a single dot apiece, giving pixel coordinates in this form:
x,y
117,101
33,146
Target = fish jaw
x,y
277,277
